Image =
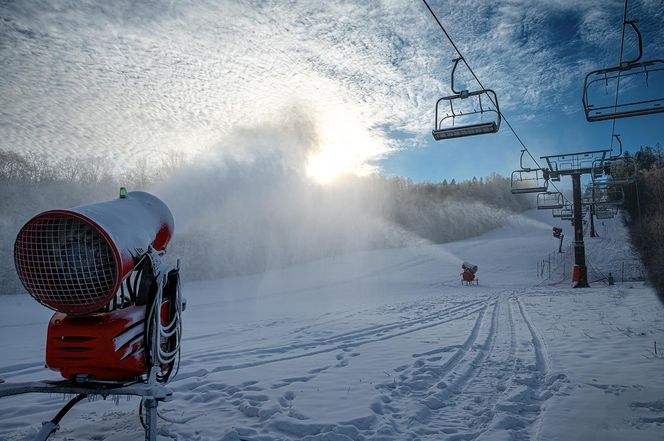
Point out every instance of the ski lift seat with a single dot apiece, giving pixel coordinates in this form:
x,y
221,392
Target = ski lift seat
x,y
621,171
468,121
470,130
609,194
605,213
645,105
529,181
550,200
650,100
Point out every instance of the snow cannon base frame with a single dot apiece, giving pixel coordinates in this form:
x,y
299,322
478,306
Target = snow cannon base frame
x,y
151,393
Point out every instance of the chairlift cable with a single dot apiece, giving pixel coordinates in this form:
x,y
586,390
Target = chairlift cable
x,y
622,46
502,115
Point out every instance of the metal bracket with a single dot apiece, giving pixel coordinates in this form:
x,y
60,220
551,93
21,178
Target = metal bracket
x,y
150,391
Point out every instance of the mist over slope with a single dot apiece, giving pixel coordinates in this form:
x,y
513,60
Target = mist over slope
x,y
250,206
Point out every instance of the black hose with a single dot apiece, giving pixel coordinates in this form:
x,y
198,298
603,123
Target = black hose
x,y
67,408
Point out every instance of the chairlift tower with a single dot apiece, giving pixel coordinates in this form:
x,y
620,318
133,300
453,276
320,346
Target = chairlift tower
x,y
576,165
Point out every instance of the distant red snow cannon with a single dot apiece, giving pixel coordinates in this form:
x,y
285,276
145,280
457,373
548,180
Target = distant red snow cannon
x,y
468,274
558,234
118,305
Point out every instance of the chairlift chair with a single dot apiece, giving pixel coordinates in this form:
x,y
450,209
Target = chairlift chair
x,y
605,212
598,169
446,124
550,200
530,181
567,212
629,73
559,212
622,171
601,165
609,195
587,198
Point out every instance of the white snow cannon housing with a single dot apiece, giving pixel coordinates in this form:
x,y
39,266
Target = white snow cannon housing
x,y
100,267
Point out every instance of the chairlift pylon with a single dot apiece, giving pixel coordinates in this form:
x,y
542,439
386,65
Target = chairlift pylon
x,y
550,200
650,72
446,127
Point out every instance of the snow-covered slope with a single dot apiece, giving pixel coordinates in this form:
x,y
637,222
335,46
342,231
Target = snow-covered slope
x,y
387,345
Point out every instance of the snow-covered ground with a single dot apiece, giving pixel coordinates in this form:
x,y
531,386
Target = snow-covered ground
x,y
387,345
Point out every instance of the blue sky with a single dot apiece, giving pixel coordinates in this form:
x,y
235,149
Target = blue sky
x,y
125,81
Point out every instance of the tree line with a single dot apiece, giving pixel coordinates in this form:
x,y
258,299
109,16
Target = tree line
x,y
645,204
236,218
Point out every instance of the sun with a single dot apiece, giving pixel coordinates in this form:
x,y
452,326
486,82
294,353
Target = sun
x,y
345,148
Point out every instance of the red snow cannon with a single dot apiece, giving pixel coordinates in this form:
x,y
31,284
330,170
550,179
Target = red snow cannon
x,y
99,266
468,273
557,232
73,261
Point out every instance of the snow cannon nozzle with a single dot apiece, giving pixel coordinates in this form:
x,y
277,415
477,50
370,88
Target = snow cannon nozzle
x,y
467,266
74,260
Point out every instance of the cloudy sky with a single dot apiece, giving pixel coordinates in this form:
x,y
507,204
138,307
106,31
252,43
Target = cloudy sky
x,y
126,80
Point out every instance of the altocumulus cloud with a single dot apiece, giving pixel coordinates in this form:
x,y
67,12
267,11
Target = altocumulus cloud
x,y
133,79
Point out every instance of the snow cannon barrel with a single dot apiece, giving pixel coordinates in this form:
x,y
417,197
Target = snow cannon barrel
x,y
467,266
74,260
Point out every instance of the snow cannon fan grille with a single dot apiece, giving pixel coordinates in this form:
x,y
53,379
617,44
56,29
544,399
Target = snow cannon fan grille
x,y
66,263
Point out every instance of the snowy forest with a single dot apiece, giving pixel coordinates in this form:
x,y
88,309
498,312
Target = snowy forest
x,y
236,217
645,205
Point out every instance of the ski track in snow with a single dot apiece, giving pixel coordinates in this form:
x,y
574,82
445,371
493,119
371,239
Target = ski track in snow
x,y
395,349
